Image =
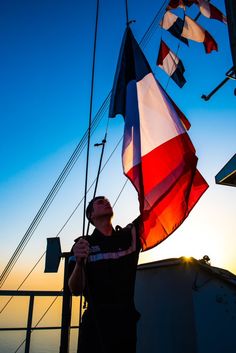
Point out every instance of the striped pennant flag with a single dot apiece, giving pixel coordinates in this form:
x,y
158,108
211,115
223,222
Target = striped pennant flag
x,y
206,8
210,11
188,29
171,64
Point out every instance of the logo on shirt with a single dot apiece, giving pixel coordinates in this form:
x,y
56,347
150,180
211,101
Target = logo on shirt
x,y
94,249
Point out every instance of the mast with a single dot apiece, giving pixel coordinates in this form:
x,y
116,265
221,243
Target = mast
x,y
230,6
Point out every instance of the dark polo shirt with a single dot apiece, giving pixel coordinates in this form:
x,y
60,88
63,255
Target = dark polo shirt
x,y
109,323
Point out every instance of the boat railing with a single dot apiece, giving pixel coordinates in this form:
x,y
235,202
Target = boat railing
x,y
65,316
64,340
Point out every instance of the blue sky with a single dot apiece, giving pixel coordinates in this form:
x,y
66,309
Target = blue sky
x,y
44,94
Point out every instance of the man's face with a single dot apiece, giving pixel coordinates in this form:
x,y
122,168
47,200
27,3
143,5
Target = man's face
x,y
101,208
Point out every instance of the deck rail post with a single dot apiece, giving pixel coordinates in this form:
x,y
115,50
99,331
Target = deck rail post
x,y
66,309
29,324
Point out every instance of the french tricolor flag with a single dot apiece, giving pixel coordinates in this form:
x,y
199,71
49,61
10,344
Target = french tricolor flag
x,y
188,29
158,156
171,64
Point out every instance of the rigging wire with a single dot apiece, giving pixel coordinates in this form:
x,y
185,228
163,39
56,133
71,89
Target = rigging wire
x,y
90,114
62,177
82,266
152,27
100,165
122,189
98,173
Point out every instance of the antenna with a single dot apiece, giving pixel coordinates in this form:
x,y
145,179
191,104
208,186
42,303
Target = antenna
x,y
53,257
230,74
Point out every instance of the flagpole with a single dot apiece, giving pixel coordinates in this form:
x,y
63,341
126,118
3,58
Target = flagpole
x,y
126,12
90,117
82,269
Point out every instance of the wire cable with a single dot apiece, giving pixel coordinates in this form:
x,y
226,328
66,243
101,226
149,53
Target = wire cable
x,y
90,114
98,173
152,27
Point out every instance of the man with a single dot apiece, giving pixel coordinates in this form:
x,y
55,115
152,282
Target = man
x,y
104,271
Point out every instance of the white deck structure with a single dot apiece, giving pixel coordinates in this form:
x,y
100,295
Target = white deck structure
x,y
186,306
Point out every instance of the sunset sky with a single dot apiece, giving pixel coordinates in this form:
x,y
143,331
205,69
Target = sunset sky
x,y
45,90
